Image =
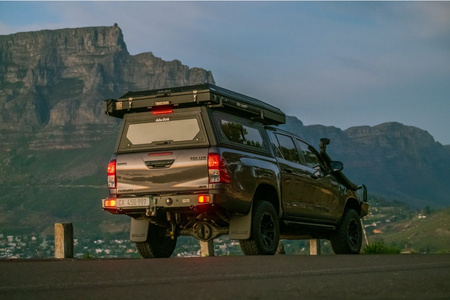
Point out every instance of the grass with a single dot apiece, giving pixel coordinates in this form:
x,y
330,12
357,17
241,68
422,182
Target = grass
x,y
380,248
418,235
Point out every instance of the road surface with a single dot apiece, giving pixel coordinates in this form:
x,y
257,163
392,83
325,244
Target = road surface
x,y
231,277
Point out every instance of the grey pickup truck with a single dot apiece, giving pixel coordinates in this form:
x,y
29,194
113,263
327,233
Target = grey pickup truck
x,y
205,161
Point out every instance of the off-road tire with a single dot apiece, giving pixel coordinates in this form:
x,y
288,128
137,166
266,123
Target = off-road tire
x,y
265,231
347,238
158,245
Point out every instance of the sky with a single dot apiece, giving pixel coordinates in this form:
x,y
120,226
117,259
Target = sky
x,y
339,64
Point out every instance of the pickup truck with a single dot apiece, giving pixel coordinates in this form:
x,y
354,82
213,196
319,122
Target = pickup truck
x,y
204,161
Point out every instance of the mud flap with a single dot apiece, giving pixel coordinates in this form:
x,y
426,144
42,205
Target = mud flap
x,y
240,226
139,230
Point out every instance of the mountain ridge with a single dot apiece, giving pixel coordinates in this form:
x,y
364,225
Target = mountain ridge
x,y
381,157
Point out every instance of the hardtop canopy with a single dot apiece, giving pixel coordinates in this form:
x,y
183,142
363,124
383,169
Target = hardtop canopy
x,y
202,94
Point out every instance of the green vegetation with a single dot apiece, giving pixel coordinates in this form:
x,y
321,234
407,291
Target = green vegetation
x,y
14,86
380,248
65,88
393,225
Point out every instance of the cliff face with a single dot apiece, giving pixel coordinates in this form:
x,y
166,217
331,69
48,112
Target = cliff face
x,y
54,81
52,77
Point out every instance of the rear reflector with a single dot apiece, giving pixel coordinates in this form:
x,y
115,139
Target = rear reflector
x,y
203,199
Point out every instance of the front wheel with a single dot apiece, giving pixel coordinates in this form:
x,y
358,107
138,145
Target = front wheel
x,y
265,231
347,238
158,245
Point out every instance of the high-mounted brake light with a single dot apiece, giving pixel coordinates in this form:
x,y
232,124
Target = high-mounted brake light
x,y
112,182
162,111
218,173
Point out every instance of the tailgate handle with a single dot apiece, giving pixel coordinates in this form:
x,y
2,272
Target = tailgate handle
x,y
166,163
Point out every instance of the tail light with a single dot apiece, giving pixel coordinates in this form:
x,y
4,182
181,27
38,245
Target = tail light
x,y
112,182
217,170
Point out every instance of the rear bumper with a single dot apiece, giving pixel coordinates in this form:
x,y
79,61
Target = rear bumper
x,y
149,204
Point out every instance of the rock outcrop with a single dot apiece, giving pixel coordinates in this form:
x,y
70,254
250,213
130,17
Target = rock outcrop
x,y
53,83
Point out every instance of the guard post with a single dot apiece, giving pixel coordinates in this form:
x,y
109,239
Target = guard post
x,y
63,240
314,247
207,248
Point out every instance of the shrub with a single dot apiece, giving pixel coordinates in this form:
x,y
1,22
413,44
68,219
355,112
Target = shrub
x,y
380,248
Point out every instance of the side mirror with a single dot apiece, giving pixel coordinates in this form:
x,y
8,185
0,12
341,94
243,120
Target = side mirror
x,y
336,166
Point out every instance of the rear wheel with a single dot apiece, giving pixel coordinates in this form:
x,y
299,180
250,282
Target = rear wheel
x,y
158,245
347,238
265,231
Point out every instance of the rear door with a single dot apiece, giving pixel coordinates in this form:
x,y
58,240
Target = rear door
x,y
162,152
295,177
325,191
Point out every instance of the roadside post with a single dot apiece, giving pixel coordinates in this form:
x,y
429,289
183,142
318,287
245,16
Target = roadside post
x,y
63,240
314,247
207,248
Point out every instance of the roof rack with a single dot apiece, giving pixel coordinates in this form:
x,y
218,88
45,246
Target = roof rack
x,y
202,94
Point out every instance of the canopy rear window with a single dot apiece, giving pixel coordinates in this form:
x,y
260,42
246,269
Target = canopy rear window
x,y
170,131
144,131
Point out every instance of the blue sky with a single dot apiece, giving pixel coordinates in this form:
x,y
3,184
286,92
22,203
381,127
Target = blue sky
x,y
339,64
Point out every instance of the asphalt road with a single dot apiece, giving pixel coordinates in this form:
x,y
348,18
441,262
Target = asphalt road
x,y
231,277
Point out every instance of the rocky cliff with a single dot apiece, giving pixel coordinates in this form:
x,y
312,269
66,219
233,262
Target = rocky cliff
x,y
55,80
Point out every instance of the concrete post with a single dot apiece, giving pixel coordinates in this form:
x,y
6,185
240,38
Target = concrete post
x,y
364,232
314,247
207,248
63,240
280,249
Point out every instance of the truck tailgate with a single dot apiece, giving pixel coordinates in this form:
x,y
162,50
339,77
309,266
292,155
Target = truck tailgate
x,y
171,171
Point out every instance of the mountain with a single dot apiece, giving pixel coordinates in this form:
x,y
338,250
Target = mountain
x,y
54,80
55,140
396,161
